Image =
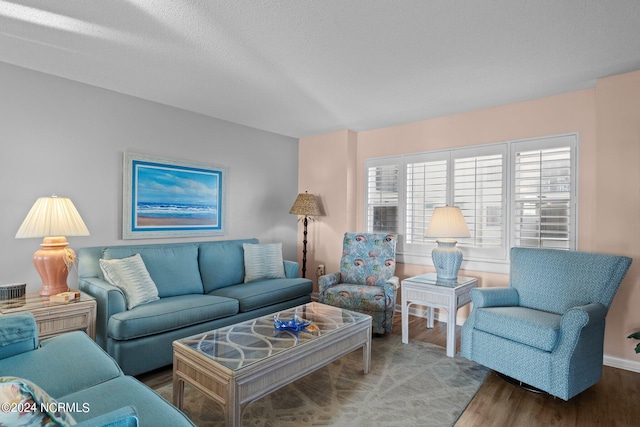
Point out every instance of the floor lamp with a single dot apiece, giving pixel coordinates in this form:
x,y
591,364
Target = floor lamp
x,y
307,207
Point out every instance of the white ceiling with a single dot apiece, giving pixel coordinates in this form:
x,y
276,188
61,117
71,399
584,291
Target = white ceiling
x,y
307,67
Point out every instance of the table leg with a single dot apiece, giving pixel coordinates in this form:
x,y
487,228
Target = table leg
x,y
366,354
178,392
451,332
405,321
430,315
232,408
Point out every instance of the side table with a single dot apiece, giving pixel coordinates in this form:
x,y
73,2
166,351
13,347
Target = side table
x,y
427,290
55,318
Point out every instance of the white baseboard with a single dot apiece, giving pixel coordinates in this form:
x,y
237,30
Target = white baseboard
x,y
618,362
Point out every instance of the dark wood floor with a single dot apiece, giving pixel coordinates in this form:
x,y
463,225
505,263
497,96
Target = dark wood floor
x,y
614,401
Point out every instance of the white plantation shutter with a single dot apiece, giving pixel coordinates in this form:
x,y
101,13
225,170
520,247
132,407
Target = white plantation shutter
x,y
479,192
383,198
544,195
426,189
518,193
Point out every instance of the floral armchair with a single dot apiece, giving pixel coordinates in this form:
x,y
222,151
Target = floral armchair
x,y
366,281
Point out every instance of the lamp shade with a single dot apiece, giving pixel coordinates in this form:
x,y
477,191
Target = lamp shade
x,y
306,205
52,216
447,221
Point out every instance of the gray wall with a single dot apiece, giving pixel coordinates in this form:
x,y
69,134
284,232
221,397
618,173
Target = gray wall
x,y
68,138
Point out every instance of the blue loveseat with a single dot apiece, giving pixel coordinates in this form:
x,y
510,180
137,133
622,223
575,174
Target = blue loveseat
x,y
200,287
70,376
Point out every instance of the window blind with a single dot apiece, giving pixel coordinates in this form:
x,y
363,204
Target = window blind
x,y
543,195
426,189
478,192
382,199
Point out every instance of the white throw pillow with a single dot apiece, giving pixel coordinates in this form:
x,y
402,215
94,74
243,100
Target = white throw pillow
x,y
131,276
263,261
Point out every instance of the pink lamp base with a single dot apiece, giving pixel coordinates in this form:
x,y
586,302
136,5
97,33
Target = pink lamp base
x,y
51,263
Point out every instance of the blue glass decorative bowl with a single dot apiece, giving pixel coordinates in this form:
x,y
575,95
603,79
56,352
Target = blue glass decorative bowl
x,y
294,325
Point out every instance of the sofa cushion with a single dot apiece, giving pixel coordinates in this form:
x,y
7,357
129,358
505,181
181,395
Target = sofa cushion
x,y
173,268
222,263
26,404
131,276
151,409
535,328
168,314
263,261
259,294
70,352
357,297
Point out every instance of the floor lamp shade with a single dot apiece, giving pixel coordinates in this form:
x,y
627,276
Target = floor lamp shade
x,y
305,206
53,218
446,224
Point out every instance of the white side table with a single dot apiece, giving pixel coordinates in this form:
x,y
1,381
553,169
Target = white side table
x,y
428,291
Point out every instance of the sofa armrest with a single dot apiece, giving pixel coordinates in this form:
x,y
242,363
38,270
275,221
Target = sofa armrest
x,y
18,334
291,269
494,297
109,301
121,417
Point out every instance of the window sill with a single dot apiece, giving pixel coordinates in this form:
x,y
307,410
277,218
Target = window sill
x,y
486,266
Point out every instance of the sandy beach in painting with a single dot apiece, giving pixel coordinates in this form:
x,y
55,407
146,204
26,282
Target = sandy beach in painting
x,y
149,221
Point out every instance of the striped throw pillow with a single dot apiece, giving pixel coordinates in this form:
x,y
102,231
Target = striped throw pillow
x,y
263,261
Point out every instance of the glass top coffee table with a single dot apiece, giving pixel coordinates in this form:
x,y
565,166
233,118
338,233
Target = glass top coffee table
x,y
239,364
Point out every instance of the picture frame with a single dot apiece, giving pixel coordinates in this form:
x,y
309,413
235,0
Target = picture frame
x,y
165,197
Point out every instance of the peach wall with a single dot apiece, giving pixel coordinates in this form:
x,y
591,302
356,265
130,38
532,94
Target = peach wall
x,y
606,119
618,208
327,169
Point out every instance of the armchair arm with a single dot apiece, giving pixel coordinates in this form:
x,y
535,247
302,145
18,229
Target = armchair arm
x,y
390,289
327,281
579,350
18,334
109,300
494,297
577,318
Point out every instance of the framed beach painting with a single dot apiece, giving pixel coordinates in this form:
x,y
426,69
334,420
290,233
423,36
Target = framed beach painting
x,y
171,198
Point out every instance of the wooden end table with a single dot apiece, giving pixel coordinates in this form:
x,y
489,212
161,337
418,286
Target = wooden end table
x,y
55,318
427,290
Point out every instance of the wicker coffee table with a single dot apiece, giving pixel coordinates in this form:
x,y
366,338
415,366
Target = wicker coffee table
x,y
238,364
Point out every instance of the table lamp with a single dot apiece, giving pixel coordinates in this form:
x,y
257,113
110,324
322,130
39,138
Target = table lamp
x,y
306,206
446,224
53,218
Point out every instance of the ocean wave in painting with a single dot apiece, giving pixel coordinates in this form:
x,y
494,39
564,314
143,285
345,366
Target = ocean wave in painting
x,y
178,212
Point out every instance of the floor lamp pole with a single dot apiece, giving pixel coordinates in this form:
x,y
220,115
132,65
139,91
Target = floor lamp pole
x,y
304,248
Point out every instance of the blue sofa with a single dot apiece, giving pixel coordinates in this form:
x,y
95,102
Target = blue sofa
x,y
546,330
200,287
76,378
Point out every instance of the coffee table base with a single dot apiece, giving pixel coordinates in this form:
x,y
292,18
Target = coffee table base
x,y
234,390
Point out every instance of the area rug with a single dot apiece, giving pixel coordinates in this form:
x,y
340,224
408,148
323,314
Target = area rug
x,y
413,384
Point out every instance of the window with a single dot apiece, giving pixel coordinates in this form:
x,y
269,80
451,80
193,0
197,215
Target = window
x,y
519,193
382,198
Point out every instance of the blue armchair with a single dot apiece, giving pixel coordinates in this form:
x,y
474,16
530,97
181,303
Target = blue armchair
x,y
366,281
546,329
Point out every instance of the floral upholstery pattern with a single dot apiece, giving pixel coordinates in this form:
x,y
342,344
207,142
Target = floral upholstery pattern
x,y
26,404
366,281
